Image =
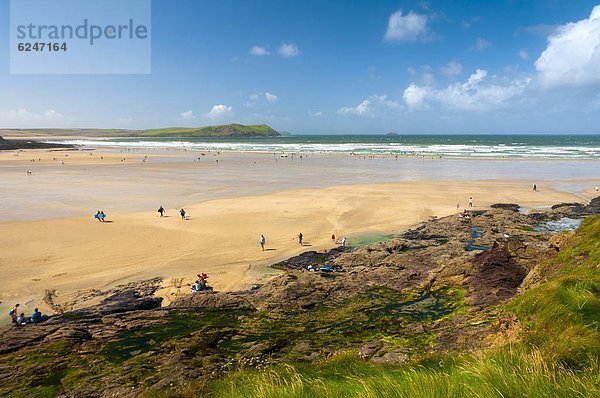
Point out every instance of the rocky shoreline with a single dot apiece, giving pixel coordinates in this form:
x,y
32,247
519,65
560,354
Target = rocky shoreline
x,y
9,145
434,288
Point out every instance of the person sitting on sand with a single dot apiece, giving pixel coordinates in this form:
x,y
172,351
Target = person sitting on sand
x,y
343,241
37,316
300,236
161,211
97,216
102,216
196,287
22,319
13,313
182,214
262,242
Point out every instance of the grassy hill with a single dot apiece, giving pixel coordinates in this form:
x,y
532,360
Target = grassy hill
x,y
224,130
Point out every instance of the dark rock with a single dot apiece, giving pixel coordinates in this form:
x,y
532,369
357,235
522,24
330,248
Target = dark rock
x,y
213,300
506,206
6,145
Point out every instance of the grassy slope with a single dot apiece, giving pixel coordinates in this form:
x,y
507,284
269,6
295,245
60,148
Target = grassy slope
x,y
225,130
558,355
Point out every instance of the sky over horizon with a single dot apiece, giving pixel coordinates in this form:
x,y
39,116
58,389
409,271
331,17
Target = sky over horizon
x,y
335,67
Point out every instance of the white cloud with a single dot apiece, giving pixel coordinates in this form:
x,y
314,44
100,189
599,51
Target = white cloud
x,y
316,114
452,68
271,97
370,107
572,57
478,93
481,44
288,50
259,51
218,111
188,115
25,118
523,54
415,96
256,99
408,28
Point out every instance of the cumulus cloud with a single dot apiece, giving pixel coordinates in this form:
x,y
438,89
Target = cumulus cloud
x,y
288,50
271,97
219,111
259,51
478,93
188,115
370,107
452,68
316,114
572,57
406,28
256,99
25,118
415,96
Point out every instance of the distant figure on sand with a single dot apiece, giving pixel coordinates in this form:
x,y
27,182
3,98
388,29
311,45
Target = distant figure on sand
x,y
29,173
161,211
596,188
470,202
13,313
182,214
300,236
333,238
457,206
535,187
343,241
262,242
100,216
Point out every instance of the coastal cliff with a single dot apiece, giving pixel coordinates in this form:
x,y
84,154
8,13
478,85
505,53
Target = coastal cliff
x,y
454,304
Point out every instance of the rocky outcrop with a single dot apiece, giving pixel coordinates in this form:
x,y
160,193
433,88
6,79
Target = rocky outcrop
x,y
6,145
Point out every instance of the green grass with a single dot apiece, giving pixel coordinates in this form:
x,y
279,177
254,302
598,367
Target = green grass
x,y
502,373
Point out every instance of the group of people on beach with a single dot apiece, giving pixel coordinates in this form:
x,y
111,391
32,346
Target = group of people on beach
x,y
21,319
100,216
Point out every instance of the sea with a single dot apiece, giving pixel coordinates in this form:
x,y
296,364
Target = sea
x,y
459,146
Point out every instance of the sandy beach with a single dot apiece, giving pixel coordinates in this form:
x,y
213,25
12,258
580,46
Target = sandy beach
x,y
57,245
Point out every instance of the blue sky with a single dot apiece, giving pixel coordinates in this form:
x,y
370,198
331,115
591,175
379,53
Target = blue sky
x,y
334,67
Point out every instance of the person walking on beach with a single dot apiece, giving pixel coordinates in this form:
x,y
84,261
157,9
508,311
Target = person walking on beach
x,y
262,242
343,241
182,214
470,202
13,313
300,236
161,211
333,238
534,187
